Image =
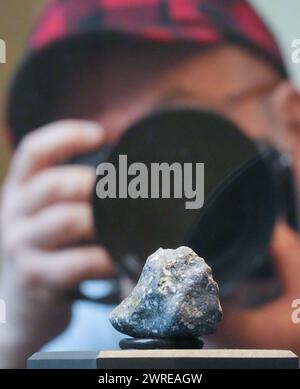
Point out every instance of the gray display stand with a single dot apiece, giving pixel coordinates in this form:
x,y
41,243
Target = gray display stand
x,y
165,359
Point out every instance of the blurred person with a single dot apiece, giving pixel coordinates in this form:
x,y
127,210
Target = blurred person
x,y
92,70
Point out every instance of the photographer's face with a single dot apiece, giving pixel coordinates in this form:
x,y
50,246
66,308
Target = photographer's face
x,y
227,79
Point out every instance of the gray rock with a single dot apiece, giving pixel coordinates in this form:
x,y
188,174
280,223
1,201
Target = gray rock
x,y
175,297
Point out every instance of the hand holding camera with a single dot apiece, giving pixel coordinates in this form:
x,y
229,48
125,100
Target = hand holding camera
x,y
45,209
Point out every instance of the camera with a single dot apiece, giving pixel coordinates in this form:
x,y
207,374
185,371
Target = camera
x,y
247,187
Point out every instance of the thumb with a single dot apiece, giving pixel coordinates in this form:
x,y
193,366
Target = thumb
x,y
285,250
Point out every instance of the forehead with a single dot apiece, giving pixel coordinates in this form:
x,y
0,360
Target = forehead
x,y
119,75
227,69
216,71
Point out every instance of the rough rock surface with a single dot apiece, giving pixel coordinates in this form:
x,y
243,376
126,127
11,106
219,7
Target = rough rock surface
x,y
175,297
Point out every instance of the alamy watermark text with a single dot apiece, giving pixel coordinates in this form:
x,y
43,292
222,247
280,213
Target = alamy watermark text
x,y
2,51
161,180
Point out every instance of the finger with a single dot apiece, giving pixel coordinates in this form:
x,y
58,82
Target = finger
x,y
67,268
61,184
55,226
285,250
52,144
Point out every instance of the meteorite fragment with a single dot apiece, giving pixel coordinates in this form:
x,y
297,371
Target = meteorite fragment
x,y
175,297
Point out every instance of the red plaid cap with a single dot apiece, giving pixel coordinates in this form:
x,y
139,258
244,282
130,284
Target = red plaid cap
x,y
203,22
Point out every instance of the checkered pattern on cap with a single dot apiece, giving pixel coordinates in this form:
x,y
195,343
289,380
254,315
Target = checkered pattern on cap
x,y
202,21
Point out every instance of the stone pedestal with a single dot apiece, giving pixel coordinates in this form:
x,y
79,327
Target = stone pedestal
x,y
165,359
